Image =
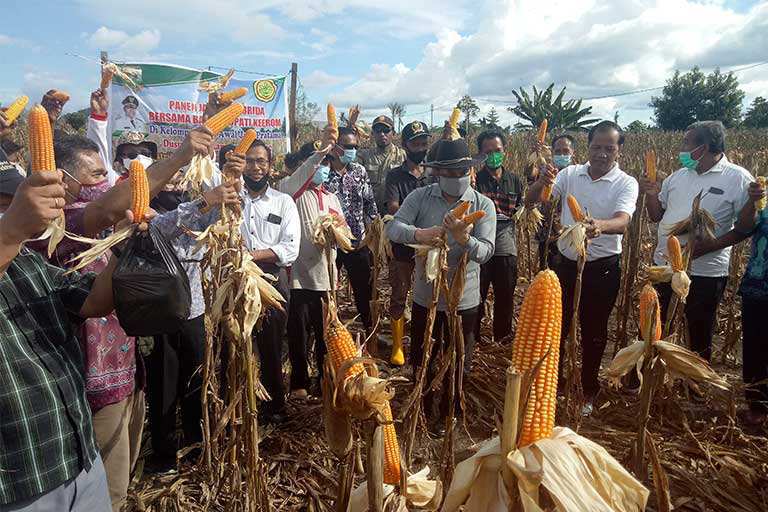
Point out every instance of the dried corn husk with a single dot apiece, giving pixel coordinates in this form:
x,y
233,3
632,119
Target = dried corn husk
x,y
328,231
575,237
680,282
700,222
529,218
98,246
201,170
126,73
376,240
434,258
336,422
421,494
218,84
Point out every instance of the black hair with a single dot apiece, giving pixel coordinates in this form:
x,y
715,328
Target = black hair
x,y
292,160
149,146
490,134
67,150
308,149
564,136
345,130
711,133
223,154
258,143
604,126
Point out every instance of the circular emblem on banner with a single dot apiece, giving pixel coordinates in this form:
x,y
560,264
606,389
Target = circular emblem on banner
x,y
265,90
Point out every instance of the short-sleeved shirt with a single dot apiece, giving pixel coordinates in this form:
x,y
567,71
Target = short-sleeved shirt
x,y
506,194
46,436
725,188
612,193
754,284
353,188
271,221
401,182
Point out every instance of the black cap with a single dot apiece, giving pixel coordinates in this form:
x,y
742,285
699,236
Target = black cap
x,y
385,120
131,100
10,179
449,154
414,130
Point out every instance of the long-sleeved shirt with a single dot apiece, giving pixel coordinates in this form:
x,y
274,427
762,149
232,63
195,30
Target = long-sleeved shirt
x,y
506,194
271,221
353,188
425,208
96,130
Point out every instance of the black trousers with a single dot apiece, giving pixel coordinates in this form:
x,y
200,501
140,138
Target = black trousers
x,y
600,284
700,310
305,315
440,334
755,352
553,255
173,377
358,265
268,343
501,272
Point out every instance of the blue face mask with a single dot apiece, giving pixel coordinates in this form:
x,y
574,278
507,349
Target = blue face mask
x,y
687,161
348,156
561,161
321,175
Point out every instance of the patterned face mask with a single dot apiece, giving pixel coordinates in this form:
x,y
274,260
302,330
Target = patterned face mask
x,y
494,160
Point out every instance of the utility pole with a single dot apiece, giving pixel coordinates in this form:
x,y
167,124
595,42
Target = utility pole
x,y
292,126
431,116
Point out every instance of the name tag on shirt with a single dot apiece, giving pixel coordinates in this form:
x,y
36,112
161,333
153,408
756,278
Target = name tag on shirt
x,y
274,219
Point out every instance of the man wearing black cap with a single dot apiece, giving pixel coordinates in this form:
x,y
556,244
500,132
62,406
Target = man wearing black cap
x,y
425,218
381,158
400,182
131,120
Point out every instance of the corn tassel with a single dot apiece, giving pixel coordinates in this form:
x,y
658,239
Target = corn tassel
x,y
246,142
650,165
576,212
224,118
542,134
15,109
391,449
650,314
139,191
41,140
675,254
761,204
232,95
538,338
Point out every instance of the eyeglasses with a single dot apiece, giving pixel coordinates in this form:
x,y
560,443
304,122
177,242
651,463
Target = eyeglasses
x,y
379,128
260,162
130,154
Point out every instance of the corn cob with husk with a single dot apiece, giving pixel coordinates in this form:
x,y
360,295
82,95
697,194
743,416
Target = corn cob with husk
x,y
761,204
451,128
650,165
575,235
675,272
15,109
329,230
234,94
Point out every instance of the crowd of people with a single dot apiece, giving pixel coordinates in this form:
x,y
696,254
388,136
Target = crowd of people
x,y
73,383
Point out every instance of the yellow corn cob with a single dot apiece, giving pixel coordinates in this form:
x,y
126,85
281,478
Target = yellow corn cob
x,y
542,134
460,210
245,142
576,212
650,312
341,347
139,191
40,140
650,165
761,204
675,254
330,113
546,193
224,118
232,95
537,337
454,119
15,109
391,449
473,217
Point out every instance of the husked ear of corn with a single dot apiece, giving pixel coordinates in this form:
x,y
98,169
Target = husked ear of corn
x,y
40,140
232,95
650,314
391,449
246,141
675,254
341,347
473,217
546,193
15,109
139,191
454,119
575,208
761,204
650,165
538,338
330,114
224,118
460,210
542,133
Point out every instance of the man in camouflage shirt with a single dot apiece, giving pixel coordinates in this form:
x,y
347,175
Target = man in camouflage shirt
x,y
381,158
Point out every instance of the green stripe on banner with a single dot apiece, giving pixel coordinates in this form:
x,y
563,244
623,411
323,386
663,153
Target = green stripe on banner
x,y
163,74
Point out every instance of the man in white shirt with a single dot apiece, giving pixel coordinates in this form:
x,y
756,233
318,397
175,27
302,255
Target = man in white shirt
x,y
725,191
608,195
271,232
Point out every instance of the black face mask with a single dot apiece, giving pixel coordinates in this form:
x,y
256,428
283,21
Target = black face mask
x,y
255,185
168,201
416,157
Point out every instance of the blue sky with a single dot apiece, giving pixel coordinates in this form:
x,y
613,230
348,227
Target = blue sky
x,y
416,53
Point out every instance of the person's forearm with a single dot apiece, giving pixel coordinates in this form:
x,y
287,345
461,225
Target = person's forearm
x,y
653,205
100,302
747,219
533,195
9,247
614,226
728,239
264,256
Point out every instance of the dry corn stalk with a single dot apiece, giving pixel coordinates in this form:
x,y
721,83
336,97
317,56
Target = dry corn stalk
x,y
381,249
760,206
127,74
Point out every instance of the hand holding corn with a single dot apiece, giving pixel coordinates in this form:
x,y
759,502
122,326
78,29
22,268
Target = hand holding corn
x,y
99,102
757,193
37,202
198,141
429,236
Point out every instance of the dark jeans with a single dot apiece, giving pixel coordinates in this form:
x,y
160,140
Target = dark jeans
x,y
755,352
501,272
305,315
440,335
358,265
700,310
174,376
600,284
268,344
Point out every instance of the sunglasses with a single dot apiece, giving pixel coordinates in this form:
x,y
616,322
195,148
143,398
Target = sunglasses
x,y
348,146
131,154
381,129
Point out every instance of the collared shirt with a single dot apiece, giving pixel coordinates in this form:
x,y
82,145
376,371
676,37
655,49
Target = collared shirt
x,y
425,208
378,162
353,188
612,193
725,188
754,284
46,436
401,182
506,194
271,221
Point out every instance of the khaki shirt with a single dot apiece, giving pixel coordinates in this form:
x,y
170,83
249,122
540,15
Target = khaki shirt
x,y
378,163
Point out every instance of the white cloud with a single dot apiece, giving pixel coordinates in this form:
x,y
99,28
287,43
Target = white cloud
x,y
5,39
125,45
320,78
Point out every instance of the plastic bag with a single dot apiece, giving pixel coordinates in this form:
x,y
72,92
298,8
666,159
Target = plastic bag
x,y
150,287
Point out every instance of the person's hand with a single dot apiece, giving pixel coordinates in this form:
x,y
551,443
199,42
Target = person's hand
x,y
547,174
38,201
234,166
4,124
756,192
99,102
536,146
429,236
214,105
197,142
594,229
106,78
649,188
130,219
704,246
226,193
329,137
457,227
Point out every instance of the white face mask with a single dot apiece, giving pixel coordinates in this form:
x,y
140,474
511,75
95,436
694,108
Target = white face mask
x,y
145,161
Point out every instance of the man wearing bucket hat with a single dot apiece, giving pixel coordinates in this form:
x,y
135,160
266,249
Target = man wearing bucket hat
x,y
382,157
425,217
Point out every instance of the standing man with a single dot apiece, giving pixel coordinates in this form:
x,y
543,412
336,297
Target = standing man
x,y
725,191
424,218
381,158
400,182
349,181
505,189
271,232
608,195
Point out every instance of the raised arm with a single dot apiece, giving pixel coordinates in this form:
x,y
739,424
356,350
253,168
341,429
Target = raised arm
x,y
546,177
96,130
652,191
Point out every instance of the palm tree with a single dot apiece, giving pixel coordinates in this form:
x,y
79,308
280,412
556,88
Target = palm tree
x,y
398,111
568,116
